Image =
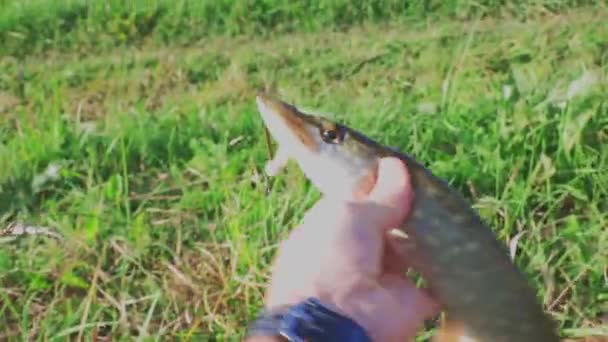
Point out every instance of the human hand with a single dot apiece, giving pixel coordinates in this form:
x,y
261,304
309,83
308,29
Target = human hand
x,y
340,255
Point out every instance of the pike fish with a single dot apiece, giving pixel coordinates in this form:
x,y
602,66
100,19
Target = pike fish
x,y
485,297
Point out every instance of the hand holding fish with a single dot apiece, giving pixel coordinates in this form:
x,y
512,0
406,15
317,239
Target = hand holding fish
x,y
483,293
340,256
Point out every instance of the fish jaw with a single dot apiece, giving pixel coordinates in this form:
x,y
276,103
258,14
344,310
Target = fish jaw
x,y
341,170
287,126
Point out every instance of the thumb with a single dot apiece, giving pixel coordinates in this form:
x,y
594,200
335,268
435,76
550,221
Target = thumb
x,y
393,190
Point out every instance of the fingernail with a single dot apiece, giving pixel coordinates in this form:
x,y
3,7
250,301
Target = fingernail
x,y
392,182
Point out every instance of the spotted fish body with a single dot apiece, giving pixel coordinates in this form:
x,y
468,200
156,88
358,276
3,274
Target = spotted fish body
x,y
484,295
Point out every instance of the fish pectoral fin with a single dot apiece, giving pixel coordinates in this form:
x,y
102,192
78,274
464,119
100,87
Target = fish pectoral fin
x,y
453,331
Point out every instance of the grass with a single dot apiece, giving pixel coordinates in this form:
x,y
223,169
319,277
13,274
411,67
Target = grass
x,y
147,153
33,26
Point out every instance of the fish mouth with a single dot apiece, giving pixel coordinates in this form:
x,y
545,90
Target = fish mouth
x,y
286,123
337,169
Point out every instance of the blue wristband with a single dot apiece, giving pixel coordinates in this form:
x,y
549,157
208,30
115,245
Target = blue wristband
x,y
308,321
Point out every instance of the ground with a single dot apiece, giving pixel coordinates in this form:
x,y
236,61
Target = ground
x,y
142,146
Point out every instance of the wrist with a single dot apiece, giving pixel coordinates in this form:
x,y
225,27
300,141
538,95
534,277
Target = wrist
x,y
352,300
309,320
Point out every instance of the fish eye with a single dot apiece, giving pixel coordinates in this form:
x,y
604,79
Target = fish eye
x,y
331,136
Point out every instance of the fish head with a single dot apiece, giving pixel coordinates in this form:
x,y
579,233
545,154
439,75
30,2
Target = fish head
x,y
339,161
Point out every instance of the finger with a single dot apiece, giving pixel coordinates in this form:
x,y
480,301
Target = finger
x,y
392,189
392,261
287,286
416,303
386,204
